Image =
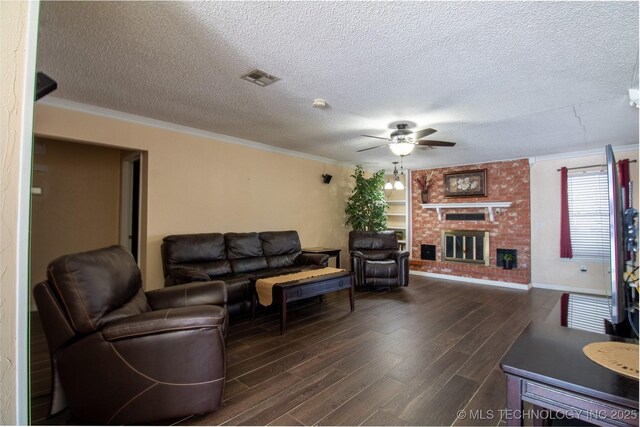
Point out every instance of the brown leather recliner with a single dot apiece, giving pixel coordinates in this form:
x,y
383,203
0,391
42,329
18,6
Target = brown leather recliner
x,y
376,261
122,356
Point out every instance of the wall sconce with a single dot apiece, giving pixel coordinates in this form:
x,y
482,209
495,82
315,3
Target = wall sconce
x,y
326,178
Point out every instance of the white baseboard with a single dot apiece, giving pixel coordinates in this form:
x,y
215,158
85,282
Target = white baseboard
x,y
509,285
572,289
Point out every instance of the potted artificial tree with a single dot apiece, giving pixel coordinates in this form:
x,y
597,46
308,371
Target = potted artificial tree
x,y
366,207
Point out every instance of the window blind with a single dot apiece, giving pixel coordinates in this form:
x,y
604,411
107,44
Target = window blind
x,y
588,312
589,214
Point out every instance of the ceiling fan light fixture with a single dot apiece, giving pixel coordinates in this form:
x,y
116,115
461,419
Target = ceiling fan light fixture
x,y
401,148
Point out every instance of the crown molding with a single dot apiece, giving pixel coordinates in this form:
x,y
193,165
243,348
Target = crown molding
x,y
146,121
593,152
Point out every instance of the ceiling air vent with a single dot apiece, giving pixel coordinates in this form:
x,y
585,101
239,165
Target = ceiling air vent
x,y
260,78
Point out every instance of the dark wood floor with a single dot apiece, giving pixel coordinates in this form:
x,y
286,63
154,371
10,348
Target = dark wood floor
x,y
410,356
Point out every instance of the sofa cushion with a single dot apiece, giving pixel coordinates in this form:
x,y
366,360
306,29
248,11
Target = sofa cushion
x,y
281,248
381,269
372,240
194,248
244,251
213,269
204,252
243,245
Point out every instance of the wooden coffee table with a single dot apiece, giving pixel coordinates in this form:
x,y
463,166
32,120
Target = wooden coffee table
x,y
305,288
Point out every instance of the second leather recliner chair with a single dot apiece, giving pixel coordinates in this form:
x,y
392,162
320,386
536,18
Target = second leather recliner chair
x,y
376,261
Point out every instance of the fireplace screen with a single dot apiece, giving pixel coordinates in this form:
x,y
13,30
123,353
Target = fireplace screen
x,y
466,246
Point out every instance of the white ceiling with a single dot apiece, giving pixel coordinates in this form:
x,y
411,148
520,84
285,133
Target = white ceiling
x,y
502,79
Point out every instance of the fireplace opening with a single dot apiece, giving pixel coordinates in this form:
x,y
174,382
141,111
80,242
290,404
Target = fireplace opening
x,y
465,246
428,252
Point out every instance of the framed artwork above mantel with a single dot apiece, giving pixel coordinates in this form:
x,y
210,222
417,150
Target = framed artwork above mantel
x,y
471,183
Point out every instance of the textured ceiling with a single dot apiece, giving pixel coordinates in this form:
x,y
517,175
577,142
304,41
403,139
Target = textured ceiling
x,y
502,79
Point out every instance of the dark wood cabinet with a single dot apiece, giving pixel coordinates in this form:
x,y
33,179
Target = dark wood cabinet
x,y
546,367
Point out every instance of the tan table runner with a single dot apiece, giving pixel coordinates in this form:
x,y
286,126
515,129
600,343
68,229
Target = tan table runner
x,y
617,356
264,287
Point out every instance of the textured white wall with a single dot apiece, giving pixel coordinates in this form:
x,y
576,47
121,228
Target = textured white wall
x,y
527,78
18,28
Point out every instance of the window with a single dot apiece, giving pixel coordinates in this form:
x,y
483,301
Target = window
x,y
589,214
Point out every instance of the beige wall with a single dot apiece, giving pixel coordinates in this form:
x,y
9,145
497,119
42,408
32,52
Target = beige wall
x,y
79,207
548,269
198,184
18,27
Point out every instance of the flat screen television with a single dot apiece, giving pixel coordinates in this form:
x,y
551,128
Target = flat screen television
x,y
616,224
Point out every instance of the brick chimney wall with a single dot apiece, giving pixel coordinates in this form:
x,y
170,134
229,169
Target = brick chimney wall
x,y
506,182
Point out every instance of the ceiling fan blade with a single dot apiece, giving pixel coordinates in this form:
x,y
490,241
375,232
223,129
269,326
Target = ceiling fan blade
x,y
424,132
437,143
377,137
371,148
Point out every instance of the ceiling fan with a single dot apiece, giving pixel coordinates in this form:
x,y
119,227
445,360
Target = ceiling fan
x,y
402,141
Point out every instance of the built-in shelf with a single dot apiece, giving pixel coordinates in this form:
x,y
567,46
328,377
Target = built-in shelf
x,y
397,214
489,206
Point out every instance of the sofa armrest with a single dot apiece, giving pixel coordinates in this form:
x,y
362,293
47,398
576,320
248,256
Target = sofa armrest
x,y
402,259
188,294
398,256
357,267
164,321
186,275
312,259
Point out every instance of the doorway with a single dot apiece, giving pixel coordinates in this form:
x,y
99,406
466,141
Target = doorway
x,y
130,203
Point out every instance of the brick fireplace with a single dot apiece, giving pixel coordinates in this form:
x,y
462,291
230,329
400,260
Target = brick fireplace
x,y
470,246
511,226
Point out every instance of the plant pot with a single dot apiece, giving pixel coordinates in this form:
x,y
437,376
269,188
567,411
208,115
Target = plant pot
x,y
424,196
507,264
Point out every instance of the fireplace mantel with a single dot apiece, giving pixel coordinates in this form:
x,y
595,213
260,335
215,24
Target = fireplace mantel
x,y
489,206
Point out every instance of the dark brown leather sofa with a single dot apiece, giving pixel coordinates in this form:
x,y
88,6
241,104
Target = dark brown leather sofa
x,y
376,261
234,258
123,356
